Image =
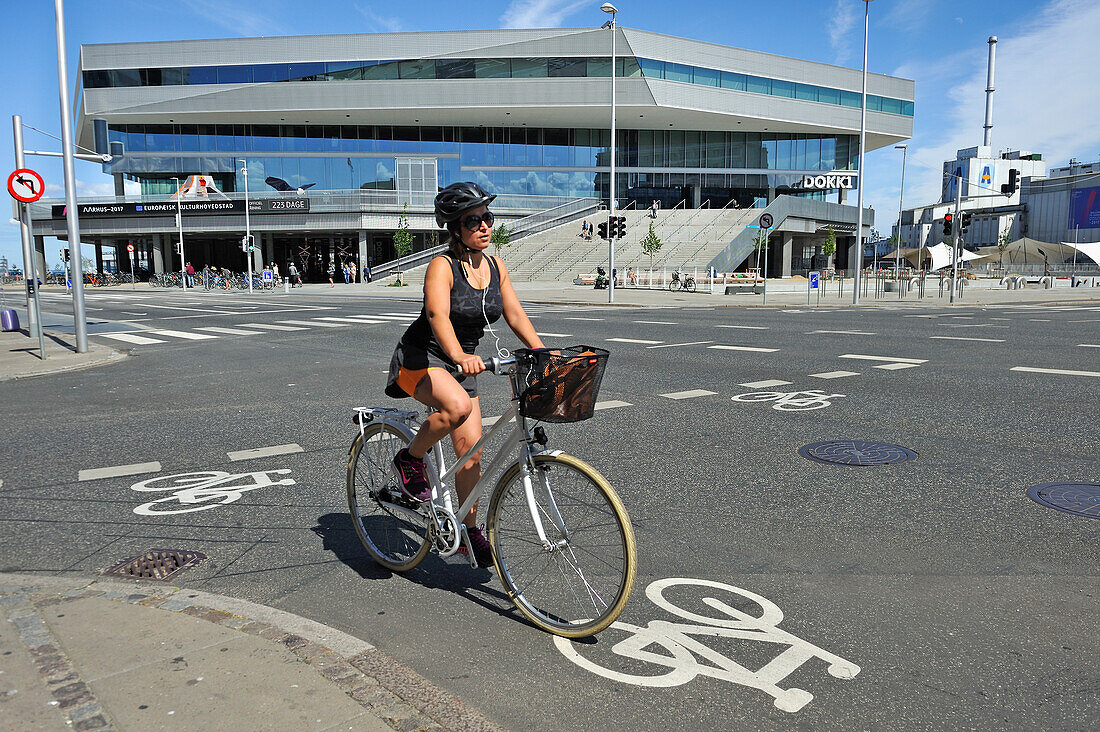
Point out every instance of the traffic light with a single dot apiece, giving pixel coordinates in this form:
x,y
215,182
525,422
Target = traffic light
x,y
964,221
947,221
66,253
618,226
602,229
1013,179
248,243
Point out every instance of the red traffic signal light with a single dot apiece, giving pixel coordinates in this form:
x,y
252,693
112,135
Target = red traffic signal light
x,y
947,224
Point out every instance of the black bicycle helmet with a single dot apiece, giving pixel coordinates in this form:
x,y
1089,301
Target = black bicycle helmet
x,y
458,198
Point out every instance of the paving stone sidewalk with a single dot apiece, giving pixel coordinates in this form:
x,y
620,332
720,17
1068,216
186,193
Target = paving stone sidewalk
x,y
92,654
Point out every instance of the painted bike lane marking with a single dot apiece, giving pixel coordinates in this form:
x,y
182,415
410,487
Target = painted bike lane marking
x,y
203,490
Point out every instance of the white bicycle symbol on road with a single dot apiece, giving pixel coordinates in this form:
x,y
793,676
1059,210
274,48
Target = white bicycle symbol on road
x,y
681,650
204,490
792,401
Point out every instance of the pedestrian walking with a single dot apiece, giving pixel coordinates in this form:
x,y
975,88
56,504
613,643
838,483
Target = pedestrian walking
x,y
347,273
190,271
292,273
275,272
366,272
331,273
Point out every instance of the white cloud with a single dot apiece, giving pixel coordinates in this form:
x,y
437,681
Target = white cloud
x,y
909,15
380,23
539,13
235,18
1046,100
840,28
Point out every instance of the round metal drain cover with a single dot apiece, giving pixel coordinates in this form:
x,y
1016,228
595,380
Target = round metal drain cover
x,y
1082,499
855,452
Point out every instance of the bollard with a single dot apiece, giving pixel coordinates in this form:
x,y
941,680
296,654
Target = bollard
x,y
286,285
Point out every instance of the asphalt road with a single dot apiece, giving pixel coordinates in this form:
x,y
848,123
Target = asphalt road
x,y
961,601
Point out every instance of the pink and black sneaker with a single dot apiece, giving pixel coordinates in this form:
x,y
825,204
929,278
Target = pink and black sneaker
x,y
483,553
410,473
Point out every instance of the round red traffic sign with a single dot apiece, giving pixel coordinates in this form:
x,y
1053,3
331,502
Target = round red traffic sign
x,y
130,248
766,221
26,185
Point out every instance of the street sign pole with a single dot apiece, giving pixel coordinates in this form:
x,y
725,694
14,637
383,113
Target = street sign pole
x,y
133,269
247,227
80,319
766,224
30,267
955,225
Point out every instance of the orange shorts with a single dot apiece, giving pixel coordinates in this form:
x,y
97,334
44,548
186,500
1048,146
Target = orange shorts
x,y
409,379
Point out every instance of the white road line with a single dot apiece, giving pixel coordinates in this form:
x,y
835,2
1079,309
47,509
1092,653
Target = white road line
x,y
631,340
864,357
1038,320
175,307
673,345
1008,319
117,470
834,374
127,312
1091,320
410,316
977,325
269,326
765,383
745,348
556,335
259,452
312,323
229,331
655,322
1067,372
744,327
353,320
404,318
592,319
896,366
963,338
842,332
1088,345
129,338
688,394
183,334
612,404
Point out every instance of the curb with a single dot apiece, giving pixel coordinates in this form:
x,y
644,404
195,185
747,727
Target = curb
x,y
395,693
112,355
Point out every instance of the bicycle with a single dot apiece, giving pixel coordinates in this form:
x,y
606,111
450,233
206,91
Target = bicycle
x,y
687,283
794,401
565,555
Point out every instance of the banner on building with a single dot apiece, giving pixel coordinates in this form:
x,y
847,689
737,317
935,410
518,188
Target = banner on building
x,y
1084,208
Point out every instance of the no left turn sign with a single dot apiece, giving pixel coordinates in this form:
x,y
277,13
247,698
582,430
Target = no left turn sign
x,y
26,185
766,221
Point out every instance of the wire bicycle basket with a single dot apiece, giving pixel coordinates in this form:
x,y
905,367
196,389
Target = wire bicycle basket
x,y
560,384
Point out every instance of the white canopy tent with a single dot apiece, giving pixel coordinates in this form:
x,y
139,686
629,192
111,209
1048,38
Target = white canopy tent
x,y
941,256
1090,250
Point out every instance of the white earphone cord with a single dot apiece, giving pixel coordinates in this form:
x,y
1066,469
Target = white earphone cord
x,y
501,352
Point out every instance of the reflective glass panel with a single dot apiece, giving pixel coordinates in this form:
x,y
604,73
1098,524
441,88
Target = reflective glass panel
x,y
627,66
652,69
124,77
492,68
344,70
829,96
730,80
202,75
758,85
567,66
807,92
678,72
782,88
454,69
599,68
529,68
234,74
706,77
384,71
263,73
311,71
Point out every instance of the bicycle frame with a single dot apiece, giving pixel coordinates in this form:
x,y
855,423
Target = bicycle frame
x,y
440,476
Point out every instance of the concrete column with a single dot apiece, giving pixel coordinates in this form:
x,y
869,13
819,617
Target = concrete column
x,y
364,258
99,255
258,253
696,196
842,196
269,247
40,256
159,253
120,186
787,252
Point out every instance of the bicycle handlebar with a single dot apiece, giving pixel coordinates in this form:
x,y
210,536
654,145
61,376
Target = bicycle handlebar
x,y
493,364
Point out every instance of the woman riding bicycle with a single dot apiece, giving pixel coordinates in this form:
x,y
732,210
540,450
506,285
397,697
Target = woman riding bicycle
x,y
465,290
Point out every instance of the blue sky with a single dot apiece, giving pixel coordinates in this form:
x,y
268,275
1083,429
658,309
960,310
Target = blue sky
x,y
1047,96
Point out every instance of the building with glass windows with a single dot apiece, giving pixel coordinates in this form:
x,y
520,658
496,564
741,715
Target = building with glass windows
x,y
525,113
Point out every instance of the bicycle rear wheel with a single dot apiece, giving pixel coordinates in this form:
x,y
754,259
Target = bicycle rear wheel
x,y
689,284
579,585
392,527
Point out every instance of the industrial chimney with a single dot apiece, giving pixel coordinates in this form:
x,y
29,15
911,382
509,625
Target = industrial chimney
x,y
988,126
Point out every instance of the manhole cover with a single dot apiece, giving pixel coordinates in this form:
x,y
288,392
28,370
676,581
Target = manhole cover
x,y
156,564
855,452
1082,499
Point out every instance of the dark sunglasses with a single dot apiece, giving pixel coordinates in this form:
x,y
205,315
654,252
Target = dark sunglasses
x,y
473,223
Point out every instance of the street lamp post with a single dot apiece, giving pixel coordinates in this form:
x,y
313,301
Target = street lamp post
x,y
179,223
901,202
247,223
612,10
862,144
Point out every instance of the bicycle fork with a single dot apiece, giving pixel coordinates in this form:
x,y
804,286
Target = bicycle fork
x,y
534,508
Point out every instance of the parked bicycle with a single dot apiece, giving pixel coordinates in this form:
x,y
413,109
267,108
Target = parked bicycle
x,y
562,542
687,283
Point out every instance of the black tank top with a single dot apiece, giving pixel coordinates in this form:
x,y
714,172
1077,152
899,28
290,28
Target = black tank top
x,y
468,318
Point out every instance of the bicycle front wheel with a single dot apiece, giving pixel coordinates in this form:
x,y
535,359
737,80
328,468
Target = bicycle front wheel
x,y
392,527
674,285
577,583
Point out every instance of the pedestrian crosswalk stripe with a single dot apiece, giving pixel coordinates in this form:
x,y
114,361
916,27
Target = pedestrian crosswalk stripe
x,y
764,384
555,335
896,366
688,394
834,374
352,320
592,319
843,332
229,331
612,404
1088,345
312,323
675,345
183,334
408,318
744,327
891,359
655,322
259,452
1066,372
962,338
269,326
753,349
130,338
631,340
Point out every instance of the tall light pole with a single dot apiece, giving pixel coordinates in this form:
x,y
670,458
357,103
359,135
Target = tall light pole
x,y
179,223
247,223
901,202
612,10
862,144
72,222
